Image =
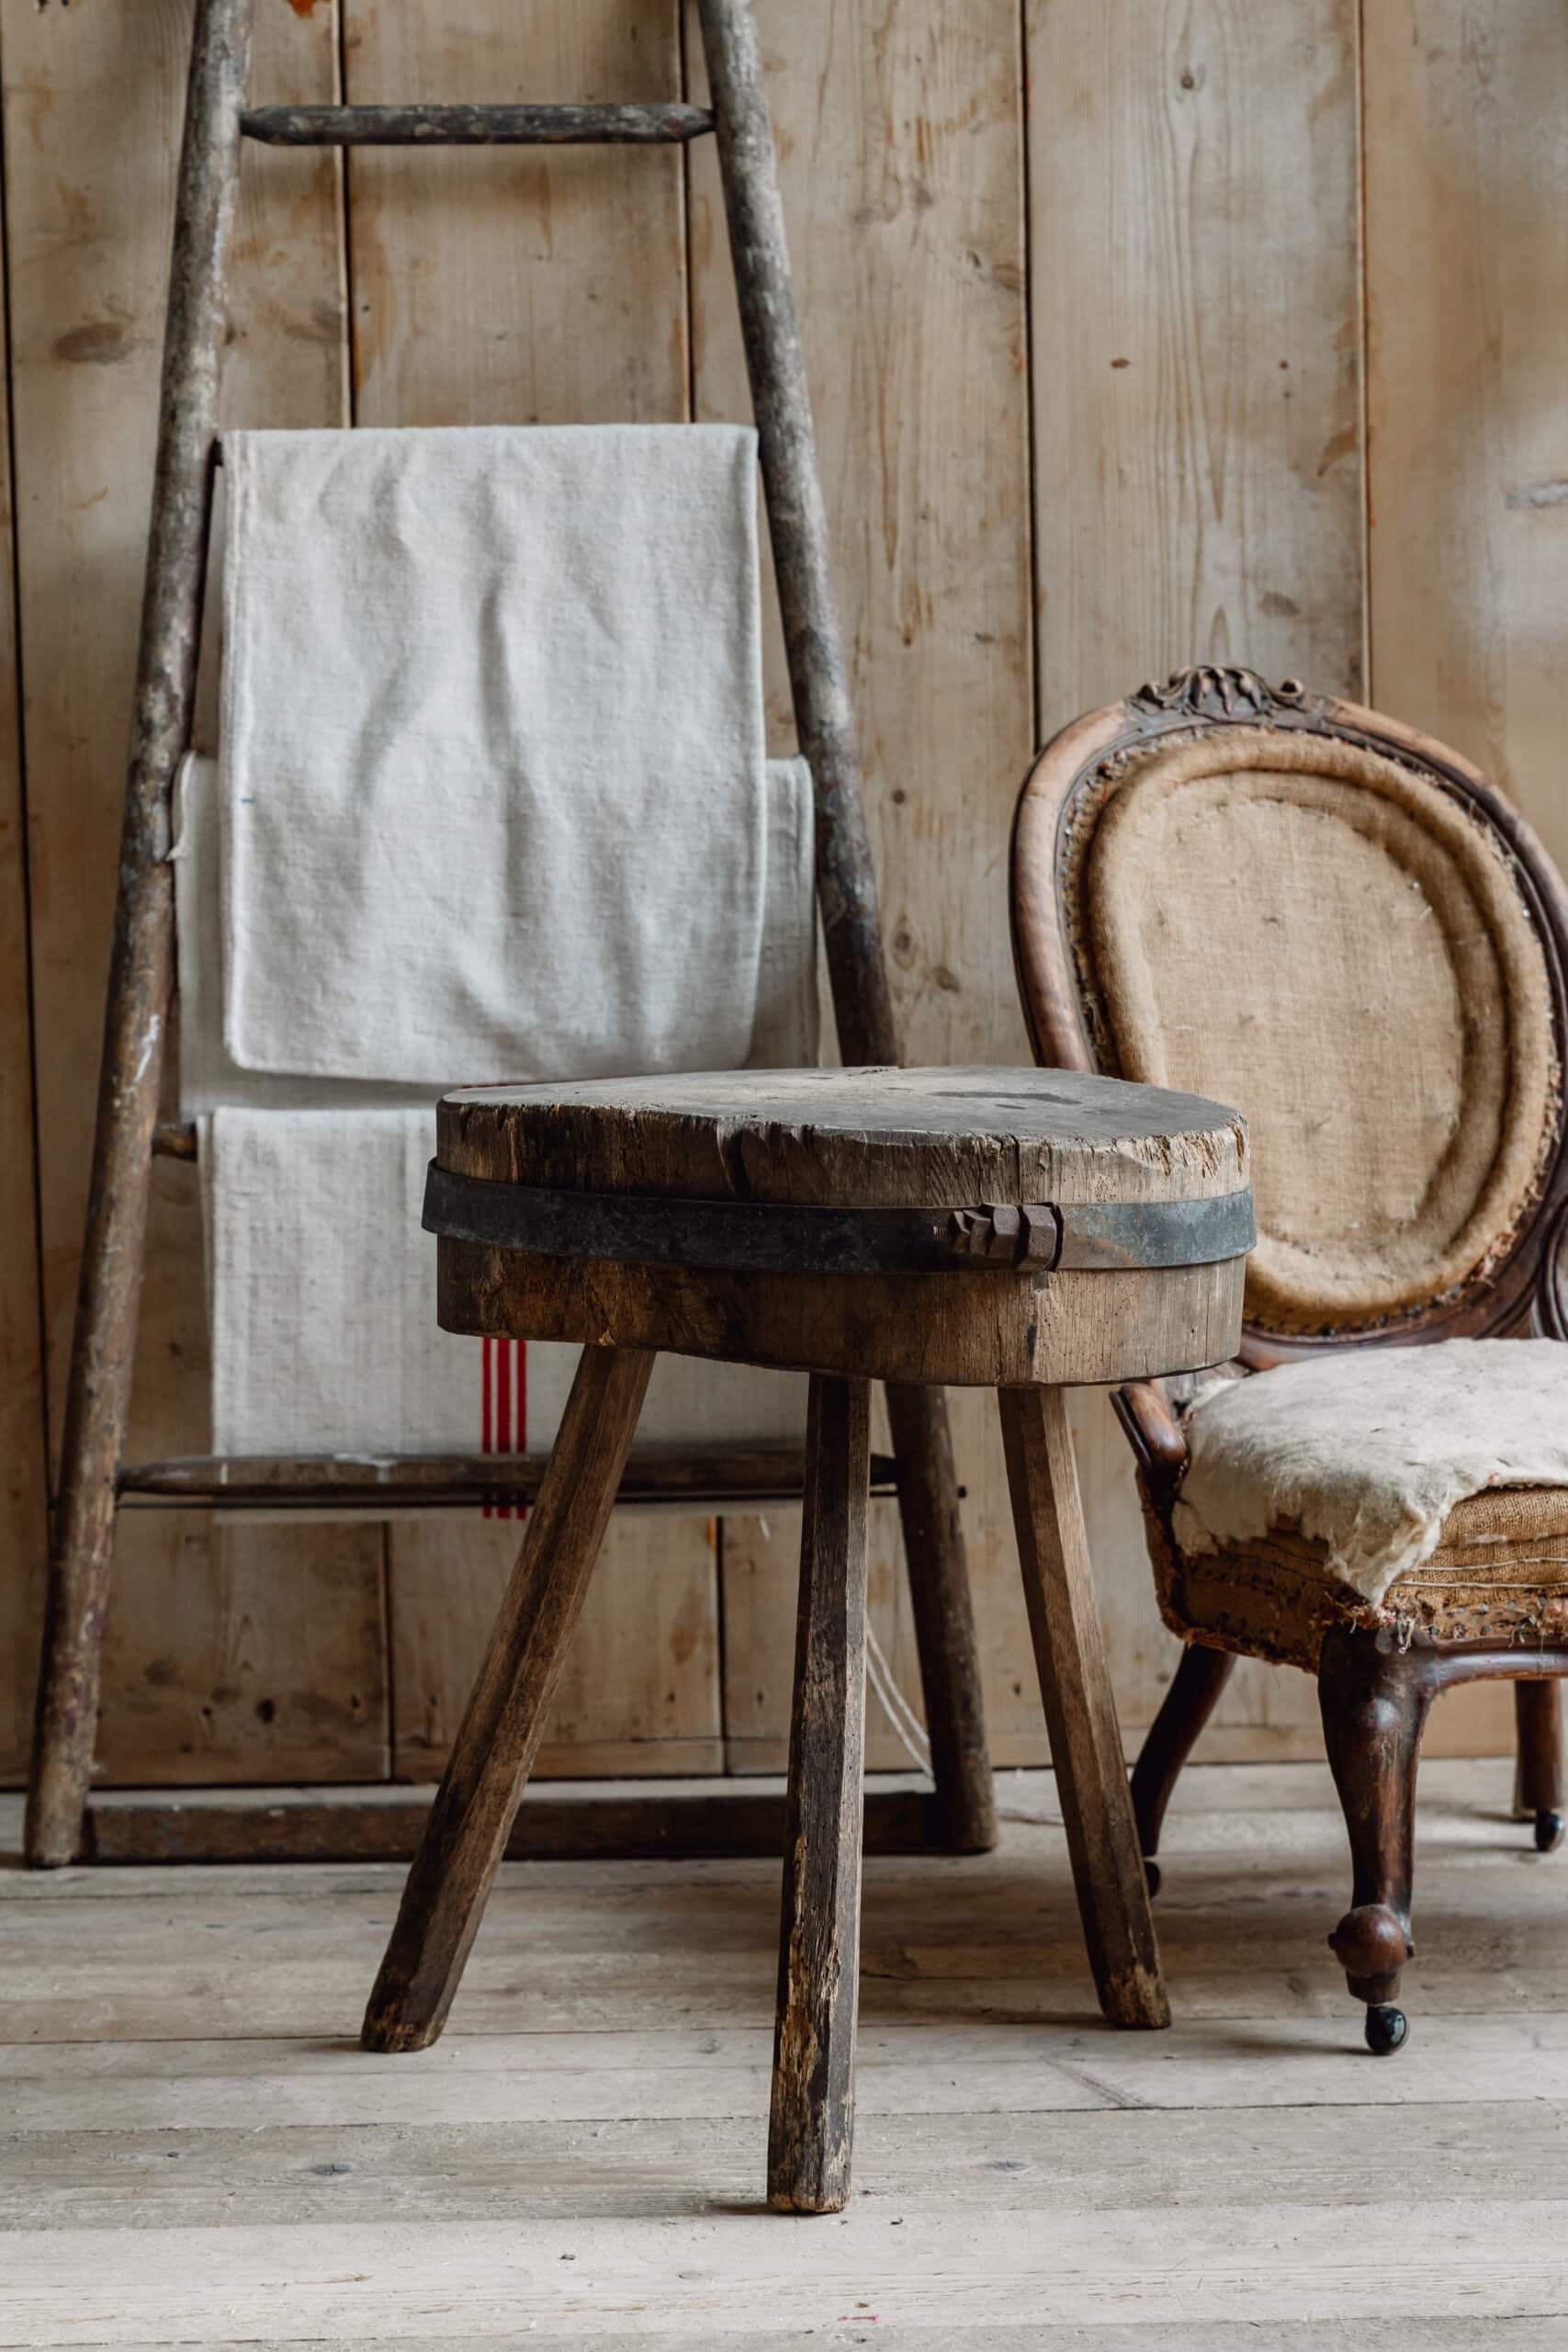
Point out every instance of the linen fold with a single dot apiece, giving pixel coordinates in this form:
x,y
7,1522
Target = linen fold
x,y
491,761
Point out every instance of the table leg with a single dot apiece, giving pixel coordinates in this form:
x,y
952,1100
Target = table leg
x,y
466,1835
1080,1713
813,2103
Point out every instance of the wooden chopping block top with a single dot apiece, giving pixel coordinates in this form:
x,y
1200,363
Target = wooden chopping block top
x,y
1100,1227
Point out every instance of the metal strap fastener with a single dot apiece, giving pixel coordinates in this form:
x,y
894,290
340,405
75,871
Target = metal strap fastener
x,y
764,1237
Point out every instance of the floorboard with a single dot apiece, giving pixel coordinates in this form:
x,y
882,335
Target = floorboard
x,y
193,2150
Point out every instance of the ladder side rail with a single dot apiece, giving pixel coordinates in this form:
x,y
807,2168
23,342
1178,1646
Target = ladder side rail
x,y
846,882
824,717
141,965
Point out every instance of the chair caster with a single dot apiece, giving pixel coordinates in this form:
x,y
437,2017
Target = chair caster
x,y
1386,2030
1549,1829
1151,1868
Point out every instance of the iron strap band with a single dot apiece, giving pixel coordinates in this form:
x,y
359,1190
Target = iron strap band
x,y
758,1238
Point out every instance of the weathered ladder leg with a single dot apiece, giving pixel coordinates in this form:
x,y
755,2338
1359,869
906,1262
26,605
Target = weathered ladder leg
x,y
1080,1713
464,1838
846,885
140,970
812,2121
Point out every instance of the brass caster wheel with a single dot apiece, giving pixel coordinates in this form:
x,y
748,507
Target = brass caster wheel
x,y
1549,1829
1386,2030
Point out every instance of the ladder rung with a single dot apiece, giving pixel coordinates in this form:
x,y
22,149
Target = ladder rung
x,y
731,1477
658,124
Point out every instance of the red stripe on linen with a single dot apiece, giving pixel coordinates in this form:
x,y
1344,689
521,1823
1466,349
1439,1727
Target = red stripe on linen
x,y
503,1410
522,1346
486,1422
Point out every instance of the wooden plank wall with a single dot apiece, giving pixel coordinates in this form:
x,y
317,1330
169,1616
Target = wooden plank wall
x,y
1141,332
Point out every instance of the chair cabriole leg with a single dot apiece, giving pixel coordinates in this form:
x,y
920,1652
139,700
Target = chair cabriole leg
x,y
812,2120
1081,1713
1191,1699
466,1835
1374,1702
1537,1786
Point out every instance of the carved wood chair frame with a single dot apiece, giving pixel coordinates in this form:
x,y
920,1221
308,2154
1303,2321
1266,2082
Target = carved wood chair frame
x,y
1374,1681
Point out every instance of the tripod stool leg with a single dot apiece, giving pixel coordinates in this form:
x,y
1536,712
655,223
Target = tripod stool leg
x,y
813,2042
1080,1713
466,1835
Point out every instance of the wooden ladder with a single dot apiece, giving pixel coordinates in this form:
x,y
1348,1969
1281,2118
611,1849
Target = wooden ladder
x,y
94,1480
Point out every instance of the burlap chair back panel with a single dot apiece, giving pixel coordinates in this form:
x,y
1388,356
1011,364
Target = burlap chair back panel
x,y
1298,926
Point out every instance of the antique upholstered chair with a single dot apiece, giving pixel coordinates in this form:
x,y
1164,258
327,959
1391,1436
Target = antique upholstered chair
x,y
1303,909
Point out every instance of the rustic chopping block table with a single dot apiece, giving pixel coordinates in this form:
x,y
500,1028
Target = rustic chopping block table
x,y
1017,1229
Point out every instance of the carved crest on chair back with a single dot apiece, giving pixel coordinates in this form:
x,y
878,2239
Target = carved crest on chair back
x,y
1220,691
1299,906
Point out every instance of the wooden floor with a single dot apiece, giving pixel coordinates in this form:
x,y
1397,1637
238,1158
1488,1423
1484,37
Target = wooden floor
x,y
194,2151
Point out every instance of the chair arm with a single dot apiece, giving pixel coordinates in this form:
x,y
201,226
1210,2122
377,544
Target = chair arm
x,y
1155,1435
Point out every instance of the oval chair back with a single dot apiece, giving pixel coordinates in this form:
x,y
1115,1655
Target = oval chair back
x,y
1302,909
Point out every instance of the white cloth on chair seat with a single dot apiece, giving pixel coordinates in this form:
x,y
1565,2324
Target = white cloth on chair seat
x,y
1368,1449
491,759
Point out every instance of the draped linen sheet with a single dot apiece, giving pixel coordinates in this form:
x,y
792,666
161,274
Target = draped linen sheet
x,y
490,801
321,1285
491,759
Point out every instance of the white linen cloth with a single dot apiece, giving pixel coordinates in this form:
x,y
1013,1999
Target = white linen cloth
x,y
786,1022
321,1285
1369,1450
321,1303
491,759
